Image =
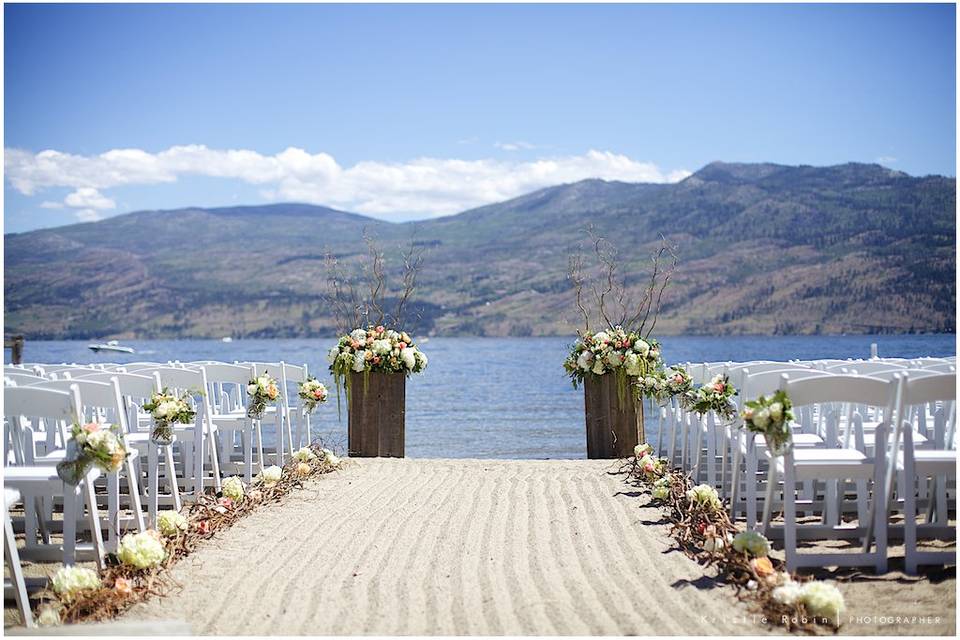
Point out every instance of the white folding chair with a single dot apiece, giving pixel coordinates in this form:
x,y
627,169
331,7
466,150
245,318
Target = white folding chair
x,y
12,558
833,465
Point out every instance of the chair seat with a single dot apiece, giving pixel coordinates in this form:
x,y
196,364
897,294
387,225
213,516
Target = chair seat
x,y
38,475
799,440
870,438
828,463
932,461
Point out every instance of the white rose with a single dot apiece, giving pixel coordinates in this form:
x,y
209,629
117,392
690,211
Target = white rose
x,y
271,475
332,354
585,360
601,336
408,357
252,388
359,335
642,347
651,383
761,418
776,411
359,361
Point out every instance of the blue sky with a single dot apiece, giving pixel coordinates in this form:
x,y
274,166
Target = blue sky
x,y
415,111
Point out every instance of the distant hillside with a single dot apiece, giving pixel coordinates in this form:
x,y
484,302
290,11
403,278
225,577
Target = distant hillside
x,y
764,249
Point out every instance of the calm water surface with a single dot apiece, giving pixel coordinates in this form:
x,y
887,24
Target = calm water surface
x,y
493,397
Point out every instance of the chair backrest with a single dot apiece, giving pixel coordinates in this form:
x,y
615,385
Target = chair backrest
x,y
295,373
864,367
762,367
22,379
751,385
226,384
942,367
891,374
132,385
840,388
928,388
227,373
52,410
97,399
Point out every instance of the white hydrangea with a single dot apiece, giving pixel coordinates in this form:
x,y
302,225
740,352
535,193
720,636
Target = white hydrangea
x,y
421,358
142,550
359,361
271,475
752,542
381,347
170,522
822,600
632,364
585,360
601,336
705,496
642,347
69,581
332,354
661,492
359,335
598,367
408,357
787,593
304,454
330,457
233,488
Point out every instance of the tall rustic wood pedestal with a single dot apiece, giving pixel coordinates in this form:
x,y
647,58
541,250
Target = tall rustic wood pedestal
x,y
376,415
614,428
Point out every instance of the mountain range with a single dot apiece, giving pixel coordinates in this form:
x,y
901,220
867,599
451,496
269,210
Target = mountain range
x,y
763,249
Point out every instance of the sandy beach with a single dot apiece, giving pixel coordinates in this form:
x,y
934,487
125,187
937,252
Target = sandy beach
x,y
452,547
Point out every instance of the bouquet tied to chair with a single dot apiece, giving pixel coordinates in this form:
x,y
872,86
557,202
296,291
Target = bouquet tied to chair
x,y
771,417
92,445
261,391
167,409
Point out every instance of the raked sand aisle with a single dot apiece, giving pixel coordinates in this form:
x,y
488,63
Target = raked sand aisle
x,y
451,547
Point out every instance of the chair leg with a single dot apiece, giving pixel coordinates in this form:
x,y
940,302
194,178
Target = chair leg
x,y
12,558
910,526
70,514
93,519
246,439
113,510
153,484
170,470
750,489
735,479
768,502
789,518
133,487
257,426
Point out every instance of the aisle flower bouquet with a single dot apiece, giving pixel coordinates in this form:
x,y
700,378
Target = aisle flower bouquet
x,y
166,409
679,382
92,444
625,354
770,417
312,392
261,391
375,350
714,396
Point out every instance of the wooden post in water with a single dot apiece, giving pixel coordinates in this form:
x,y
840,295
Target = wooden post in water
x,y
376,415
614,428
15,344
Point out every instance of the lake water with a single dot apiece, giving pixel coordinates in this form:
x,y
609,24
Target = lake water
x,y
493,397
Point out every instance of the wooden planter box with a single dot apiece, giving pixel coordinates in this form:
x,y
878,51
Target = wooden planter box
x,y
614,428
376,415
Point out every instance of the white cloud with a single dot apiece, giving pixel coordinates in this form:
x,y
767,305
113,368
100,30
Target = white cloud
x,y
88,215
886,160
519,145
51,204
421,187
89,198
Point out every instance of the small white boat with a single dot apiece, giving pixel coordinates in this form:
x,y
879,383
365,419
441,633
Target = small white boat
x,y
111,345
226,339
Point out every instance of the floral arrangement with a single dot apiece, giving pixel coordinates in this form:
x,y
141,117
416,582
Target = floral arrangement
x,y
771,417
140,572
752,543
142,550
312,392
167,410
375,350
714,396
232,488
304,454
70,582
261,391
678,381
171,523
705,497
625,353
704,531
95,445
271,475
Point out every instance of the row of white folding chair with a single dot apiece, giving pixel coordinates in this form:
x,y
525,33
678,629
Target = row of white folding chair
x,y
102,402
37,480
135,391
910,464
833,466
